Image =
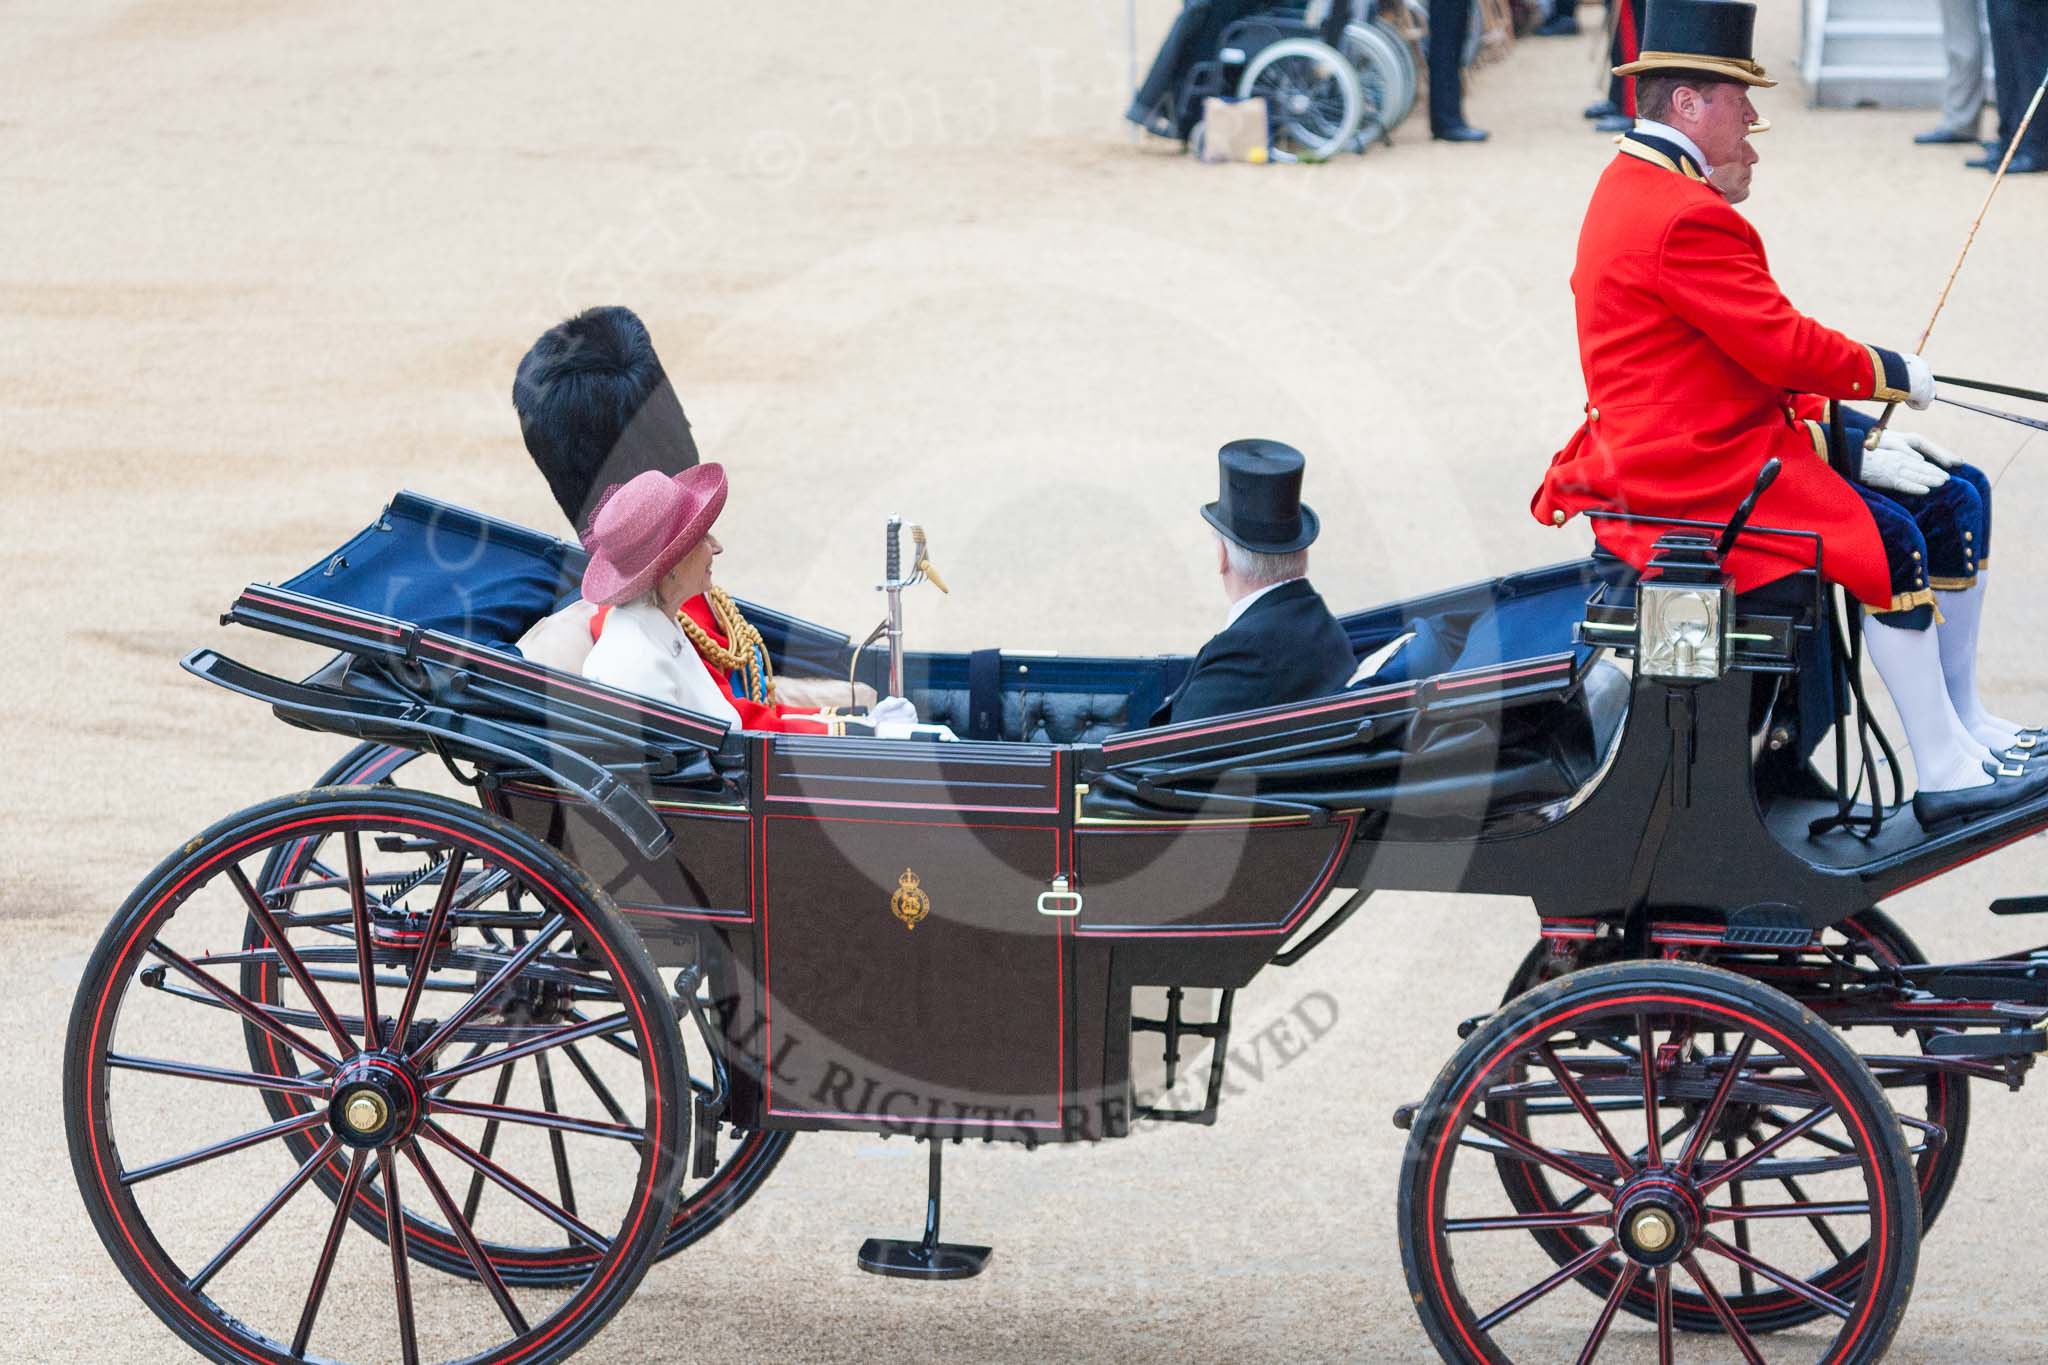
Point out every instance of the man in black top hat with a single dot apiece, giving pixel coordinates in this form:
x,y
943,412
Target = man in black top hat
x,y
1279,643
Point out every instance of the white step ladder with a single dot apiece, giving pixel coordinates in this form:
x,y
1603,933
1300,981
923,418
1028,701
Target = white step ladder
x,y
1873,52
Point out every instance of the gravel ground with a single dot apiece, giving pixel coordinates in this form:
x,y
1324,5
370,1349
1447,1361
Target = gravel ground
x,y
264,264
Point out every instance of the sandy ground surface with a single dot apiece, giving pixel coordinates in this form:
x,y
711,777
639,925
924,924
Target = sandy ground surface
x,y
261,265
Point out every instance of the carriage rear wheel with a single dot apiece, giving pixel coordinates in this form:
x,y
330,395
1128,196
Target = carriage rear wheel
x,y
1933,1103
312,867
1652,1061
1313,100
513,955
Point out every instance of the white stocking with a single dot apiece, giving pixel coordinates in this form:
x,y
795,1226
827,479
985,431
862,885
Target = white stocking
x,y
1946,756
1962,617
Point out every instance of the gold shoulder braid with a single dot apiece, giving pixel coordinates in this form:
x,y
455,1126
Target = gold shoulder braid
x,y
747,655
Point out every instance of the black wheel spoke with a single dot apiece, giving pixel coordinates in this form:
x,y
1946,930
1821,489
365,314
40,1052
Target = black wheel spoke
x,y
553,1121
1710,1118
241,1005
1663,1278
1570,1270
596,1084
289,955
423,965
401,1269
516,964
1622,1284
1722,1174
1570,1084
1819,1298
556,1146
486,1272
1804,1209
561,1037
324,1267
490,1142
1827,1141
1818,1218
1557,1161
359,917
517,1188
265,1214
1648,1057
1730,1325
269,1133
193,1071
1523,1222
1737,1198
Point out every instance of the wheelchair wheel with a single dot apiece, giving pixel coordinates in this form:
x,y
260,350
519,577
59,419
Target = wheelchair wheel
x,y
1650,1061
1933,1104
186,1174
743,1159
1386,73
1312,96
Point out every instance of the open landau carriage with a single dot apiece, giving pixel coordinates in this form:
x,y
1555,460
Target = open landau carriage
x,y
373,1074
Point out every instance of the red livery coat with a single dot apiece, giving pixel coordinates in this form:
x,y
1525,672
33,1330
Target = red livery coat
x,y
1696,368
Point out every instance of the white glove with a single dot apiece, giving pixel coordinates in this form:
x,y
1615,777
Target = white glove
x,y
1920,445
1896,468
1919,384
892,717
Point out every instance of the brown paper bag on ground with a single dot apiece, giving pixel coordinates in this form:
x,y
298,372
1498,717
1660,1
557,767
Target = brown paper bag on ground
x,y
1234,130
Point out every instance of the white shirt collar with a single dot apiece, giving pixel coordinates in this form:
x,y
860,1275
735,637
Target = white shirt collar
x,y
1670,134
1244,603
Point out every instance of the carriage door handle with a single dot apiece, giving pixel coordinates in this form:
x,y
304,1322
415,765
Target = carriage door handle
x,y
1059,899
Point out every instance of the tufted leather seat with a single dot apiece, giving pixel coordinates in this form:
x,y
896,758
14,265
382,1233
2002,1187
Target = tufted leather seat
x,y
1036,717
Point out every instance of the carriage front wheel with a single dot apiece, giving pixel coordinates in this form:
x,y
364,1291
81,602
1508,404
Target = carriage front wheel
x,y
513,954
1628,1075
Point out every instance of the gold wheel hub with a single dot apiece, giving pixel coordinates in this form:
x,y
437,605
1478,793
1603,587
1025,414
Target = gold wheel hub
x,y
365,1112
1652,1229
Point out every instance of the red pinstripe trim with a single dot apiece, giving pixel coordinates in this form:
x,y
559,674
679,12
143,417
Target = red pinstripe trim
x,y
1503,677
176,1296
916,1120
300,610
911,805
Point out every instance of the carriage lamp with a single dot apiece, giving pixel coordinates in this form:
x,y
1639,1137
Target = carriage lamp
x,y
1682,630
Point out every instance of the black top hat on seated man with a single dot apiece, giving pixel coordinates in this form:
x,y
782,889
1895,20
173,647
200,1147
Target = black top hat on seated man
x,y
1711,36
1259,503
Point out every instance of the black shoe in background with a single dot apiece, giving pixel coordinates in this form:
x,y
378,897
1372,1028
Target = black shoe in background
x,y
1557,26
2025,163
1613,123
1463,132
1604,109
1942,137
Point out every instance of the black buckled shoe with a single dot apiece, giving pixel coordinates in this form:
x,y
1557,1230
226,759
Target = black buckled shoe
x,y
2009,786
1941,137
1613,123
1604,109
1462,132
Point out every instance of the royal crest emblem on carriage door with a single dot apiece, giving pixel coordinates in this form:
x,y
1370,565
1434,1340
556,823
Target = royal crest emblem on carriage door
x,y
910,904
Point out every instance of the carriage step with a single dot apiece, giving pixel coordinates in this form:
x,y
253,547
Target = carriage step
x,y
2020,905
927,1258
2004,1043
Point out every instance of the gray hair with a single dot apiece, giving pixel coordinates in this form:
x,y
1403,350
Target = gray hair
x,y
1257,570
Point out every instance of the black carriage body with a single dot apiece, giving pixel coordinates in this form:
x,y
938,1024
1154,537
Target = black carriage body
x,y
943,939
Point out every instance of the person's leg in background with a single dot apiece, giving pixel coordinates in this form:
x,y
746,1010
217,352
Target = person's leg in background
x,y
2019,54
1618,114
1962,99
1448,21
1562,23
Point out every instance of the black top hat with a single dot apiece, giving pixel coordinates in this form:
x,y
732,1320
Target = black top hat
x,y
1714,36
1259,506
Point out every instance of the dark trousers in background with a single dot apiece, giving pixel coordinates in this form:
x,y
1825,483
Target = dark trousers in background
x,y
1628,45
2019,54
1448,20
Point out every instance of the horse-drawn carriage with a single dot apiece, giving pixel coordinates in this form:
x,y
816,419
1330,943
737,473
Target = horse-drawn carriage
x,y
368,1073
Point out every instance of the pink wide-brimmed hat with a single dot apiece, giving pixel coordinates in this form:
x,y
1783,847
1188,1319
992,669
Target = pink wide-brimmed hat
x,y
642,528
